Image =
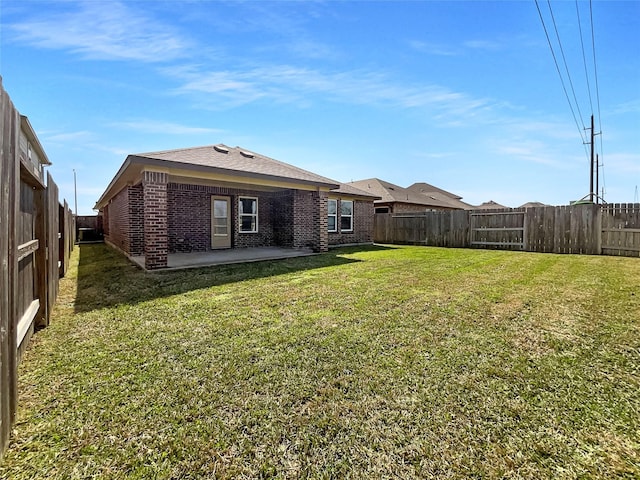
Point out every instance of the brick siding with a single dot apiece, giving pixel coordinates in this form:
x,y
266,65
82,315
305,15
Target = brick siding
x,y
310,220
363,215
117,221
136,220
288,218
155,220
398,207
189,217
282,218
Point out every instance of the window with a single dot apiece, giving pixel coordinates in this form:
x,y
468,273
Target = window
x,y
346,215
332,217
248,214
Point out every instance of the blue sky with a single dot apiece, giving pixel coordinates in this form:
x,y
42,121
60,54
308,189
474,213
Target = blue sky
x,y
462,95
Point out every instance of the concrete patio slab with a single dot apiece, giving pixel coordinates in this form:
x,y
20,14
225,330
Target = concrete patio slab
x,y
177,261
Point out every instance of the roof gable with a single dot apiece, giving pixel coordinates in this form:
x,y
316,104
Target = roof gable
x,y
234,163
348,189
490,205
425,188
389,192
237,159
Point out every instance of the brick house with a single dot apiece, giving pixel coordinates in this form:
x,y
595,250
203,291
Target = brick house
x,y
418,197
219,197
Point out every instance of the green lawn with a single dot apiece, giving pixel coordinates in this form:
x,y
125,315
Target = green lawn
x,y
407,362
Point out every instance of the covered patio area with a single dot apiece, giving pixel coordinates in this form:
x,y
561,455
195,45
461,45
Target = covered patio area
x,y
178,261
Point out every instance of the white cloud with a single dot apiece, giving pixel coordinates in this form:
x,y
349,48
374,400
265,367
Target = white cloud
x,y
103,30
482,45
624,163
290,84
167,128
632,106
431,48
68,137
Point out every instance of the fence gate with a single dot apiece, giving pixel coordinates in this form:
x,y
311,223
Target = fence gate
x,y
621,229
500,229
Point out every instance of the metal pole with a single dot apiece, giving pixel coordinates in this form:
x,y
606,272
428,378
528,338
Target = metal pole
x,y
592,159
597,177
75,193
75,199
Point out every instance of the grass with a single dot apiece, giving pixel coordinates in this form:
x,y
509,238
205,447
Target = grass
x,y
406,362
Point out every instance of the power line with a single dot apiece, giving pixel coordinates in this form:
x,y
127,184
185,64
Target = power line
x,y
595,71
564,60
584,58
564,88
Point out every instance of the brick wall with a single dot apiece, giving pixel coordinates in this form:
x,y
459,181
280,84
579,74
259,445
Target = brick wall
x,y
282,218
189,217
136,220
310,220
264,236
413,208
155,220
117,218
289,218
105,220
363,217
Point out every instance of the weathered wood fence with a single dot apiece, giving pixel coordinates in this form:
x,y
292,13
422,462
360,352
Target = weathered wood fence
x,y
611,229
36,237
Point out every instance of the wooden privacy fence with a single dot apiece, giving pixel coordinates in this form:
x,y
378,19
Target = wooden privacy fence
x,y
36,236
611,229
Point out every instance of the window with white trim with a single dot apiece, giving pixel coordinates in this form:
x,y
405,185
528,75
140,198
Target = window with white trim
x,y
346,215
248,214
332,215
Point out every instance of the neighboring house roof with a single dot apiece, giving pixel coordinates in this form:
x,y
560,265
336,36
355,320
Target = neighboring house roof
x,y
438,194
215,159
490,205
422,187
390,193
533,204
350,190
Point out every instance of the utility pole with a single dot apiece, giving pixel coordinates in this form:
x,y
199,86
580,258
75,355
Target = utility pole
x,y
597,177
592,161
75,193
75,205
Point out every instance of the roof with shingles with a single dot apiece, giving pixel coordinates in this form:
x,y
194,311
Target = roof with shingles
x,y
237,159
490,205
533,204
425,188
222,159
348,189
388,193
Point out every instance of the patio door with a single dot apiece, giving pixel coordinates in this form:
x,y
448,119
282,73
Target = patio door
x,y
220,222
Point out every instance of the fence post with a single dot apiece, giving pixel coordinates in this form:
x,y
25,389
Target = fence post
x,y
598,228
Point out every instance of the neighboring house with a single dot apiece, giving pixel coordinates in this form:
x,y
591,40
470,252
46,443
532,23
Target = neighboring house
x,y
490,205
219,197
396,199
436,193
533,205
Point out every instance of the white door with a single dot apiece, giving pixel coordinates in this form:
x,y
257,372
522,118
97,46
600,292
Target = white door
x,y
220,222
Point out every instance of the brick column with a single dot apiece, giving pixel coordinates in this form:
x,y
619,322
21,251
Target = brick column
x,y
320,221
310,224
154,186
